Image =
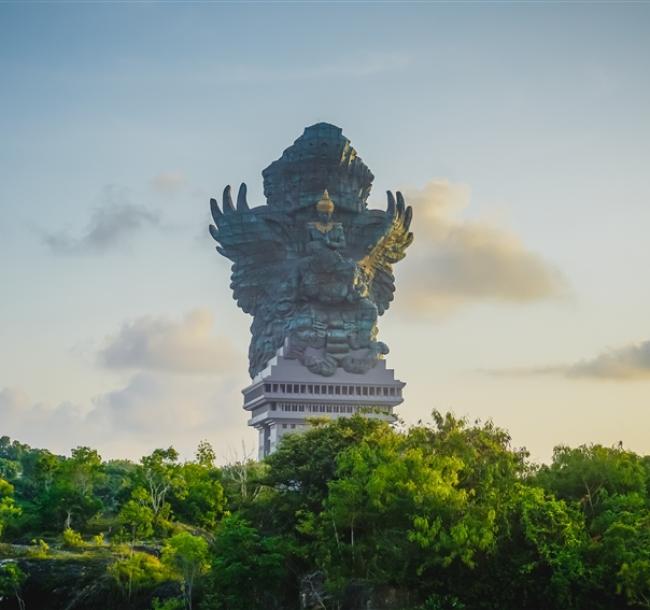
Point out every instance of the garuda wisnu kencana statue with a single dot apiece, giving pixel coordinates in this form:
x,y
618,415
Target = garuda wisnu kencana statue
x,y
314,265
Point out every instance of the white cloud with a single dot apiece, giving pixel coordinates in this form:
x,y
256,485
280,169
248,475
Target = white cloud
x,y
150,411
453,262
159,344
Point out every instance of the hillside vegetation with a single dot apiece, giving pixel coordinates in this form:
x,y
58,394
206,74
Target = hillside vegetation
x,y
349,515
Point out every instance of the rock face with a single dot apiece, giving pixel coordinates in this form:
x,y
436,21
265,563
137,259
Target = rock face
x,y
314,267
358,595
61,583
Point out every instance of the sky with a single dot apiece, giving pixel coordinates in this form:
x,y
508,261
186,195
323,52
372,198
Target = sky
x,y
519,133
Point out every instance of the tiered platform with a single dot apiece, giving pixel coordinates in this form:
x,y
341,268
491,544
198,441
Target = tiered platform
x,y
285,395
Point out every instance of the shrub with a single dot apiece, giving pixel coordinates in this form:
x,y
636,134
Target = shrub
x,y
39,549
137,571
72,539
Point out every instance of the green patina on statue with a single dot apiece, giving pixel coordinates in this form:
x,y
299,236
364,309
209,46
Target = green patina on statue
x,y
314,265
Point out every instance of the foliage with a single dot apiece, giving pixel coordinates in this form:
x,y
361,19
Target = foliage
x,y
72,539
172,603
446,515
248,570
187,556
136,517
40,549
200,499
135,571
11,581
8,508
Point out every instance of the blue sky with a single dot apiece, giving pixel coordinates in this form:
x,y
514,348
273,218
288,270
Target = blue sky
x,y
530,121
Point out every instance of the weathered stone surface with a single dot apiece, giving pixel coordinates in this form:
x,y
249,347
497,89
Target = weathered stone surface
x,y
314,265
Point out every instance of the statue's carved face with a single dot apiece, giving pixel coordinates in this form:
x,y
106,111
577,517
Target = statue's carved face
x,y
325,217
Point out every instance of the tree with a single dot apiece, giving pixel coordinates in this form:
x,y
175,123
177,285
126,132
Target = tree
x,y
300,470
620,548
590,473
8,508
248,571
160,473
205,455
200,500
136,516
395,514
11,581
187,556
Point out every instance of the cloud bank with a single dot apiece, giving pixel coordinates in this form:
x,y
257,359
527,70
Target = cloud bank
x,y
184,386
454,262
112,224
187,346
627,363
151,410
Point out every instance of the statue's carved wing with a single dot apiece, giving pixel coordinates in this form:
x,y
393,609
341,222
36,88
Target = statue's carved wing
x,y
256,247
389,248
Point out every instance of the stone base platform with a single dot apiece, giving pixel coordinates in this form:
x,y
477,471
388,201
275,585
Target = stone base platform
x,y
285,395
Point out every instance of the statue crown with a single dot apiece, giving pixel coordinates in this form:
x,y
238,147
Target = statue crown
x,y
325,205
321,158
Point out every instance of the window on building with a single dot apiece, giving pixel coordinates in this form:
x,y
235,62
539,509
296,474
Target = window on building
x,y
316,389
296,388
392,391
372,391
284,425
344,389
267,387
323,389
303,388
272,406
337,389
282,388
301,408
365,391
275,387
358,389
310,389
293,426
329,408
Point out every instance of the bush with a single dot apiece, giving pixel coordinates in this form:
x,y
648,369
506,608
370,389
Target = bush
x,y
137,571
173,603
72,539
98,540
39,549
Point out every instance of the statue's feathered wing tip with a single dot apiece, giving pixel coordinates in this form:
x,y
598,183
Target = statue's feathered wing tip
x,y
242,203
216,212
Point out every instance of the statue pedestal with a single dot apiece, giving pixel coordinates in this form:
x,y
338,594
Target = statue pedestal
x,y
285,395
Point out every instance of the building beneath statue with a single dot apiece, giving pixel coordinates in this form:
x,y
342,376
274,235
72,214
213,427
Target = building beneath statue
x,y
284,397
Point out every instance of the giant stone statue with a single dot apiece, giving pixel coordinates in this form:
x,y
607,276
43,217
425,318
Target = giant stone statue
x,y
314,266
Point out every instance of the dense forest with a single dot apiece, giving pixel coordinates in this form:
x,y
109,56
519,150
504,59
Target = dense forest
x,y
351,514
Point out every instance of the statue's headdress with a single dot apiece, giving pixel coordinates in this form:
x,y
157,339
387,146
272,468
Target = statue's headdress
x,y
325,205
320,159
